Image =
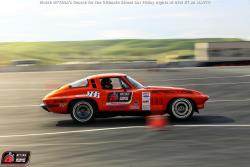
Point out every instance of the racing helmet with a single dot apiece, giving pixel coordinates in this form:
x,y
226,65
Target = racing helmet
x,y
106,83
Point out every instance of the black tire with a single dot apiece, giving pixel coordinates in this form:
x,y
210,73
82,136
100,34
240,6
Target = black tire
x,y
83,111
181,109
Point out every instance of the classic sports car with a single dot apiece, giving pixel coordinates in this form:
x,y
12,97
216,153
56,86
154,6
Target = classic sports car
x,y
114,94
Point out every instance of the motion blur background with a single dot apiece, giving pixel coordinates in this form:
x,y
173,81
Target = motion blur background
x,y
66,32
45,45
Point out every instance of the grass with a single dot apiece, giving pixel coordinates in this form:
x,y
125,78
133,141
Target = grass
x,y
101,50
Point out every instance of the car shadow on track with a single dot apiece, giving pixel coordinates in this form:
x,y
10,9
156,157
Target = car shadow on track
x,y
141,121
106,122
204,119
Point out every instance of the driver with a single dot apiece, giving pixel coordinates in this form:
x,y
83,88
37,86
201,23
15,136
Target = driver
x,y
106,83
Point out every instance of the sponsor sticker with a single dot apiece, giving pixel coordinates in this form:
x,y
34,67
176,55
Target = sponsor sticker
x,y
146,101
15,158
119,98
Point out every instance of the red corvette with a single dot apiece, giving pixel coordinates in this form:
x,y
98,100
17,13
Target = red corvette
x,y
116,94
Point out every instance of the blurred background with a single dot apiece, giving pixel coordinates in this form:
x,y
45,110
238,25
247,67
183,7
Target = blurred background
x,y
106,51
46,44
70,32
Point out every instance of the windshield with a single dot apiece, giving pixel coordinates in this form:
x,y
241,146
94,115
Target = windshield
x,y
79,83
135,83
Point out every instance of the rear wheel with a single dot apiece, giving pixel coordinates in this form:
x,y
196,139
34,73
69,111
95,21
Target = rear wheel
x,y
82,111
181,109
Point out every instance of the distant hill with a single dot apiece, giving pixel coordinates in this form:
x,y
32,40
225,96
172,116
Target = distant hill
x,y
100,50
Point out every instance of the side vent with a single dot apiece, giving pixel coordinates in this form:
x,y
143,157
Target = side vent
x,y
157,101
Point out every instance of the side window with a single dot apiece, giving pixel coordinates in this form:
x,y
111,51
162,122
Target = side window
x,y
116,83
80,83
124,85
113,83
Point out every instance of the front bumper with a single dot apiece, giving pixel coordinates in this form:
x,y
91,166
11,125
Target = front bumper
x,y
44,106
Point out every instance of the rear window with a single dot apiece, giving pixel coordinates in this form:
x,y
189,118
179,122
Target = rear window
x,y
80,83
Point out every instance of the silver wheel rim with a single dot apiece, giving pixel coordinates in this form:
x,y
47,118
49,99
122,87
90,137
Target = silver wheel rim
x,y
182,108
82,111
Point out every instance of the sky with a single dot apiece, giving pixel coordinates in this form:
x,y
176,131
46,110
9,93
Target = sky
x,y
28,20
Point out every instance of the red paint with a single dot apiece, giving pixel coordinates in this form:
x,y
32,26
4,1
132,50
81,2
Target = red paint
x,y
159,96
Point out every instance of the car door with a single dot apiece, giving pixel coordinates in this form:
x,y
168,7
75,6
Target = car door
x,y
119,98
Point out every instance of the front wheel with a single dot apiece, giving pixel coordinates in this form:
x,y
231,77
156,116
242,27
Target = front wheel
x,y
181,109
82,112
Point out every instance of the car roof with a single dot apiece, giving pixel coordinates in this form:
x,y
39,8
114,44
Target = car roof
x,y
104,75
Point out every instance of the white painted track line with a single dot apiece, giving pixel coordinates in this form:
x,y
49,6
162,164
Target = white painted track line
x,y
70,132
228,100
211,125
26,89
211,84
120,128
201,78
63,144
20,106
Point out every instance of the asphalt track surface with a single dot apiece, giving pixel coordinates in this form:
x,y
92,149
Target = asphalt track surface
x,y
218,136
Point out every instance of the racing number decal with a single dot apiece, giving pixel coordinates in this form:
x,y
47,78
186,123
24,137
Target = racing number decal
x,y
145,101
119,97
93,94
